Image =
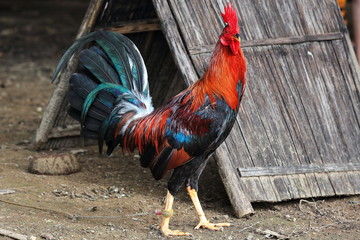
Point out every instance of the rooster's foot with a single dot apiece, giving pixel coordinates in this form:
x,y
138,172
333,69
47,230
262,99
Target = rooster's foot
x,y
168,232
212,226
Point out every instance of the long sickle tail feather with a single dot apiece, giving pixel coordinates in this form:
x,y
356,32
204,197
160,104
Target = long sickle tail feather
x,y
123,54
110,86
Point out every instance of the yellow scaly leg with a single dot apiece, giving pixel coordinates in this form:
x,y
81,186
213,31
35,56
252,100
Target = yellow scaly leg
x,y
167,213
204,223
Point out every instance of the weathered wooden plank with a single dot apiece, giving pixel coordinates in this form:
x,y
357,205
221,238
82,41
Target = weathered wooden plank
x,y
341,183
282,188
348,92
238,199
257,19
270,193
325,187
69,131
313,185
176,44
234,143
269,102
252,188
275,41
254,134
298,185
286,170
292,110
291,75
134,26
295,186
116,11
337,136
195,19
354,179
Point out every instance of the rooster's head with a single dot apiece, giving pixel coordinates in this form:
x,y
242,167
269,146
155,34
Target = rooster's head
x,y
230,35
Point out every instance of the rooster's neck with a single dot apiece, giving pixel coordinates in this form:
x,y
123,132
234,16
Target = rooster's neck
x,y
225,72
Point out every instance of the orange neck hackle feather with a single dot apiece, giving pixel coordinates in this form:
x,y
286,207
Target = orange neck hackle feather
x,y
227,67
221,78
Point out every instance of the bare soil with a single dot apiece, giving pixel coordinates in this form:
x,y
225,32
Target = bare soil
x,y
112,197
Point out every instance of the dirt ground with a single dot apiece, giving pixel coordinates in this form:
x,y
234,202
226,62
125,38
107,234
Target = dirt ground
x,y
116,198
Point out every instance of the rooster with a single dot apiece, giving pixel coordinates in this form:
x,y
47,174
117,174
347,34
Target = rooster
x,y
109,95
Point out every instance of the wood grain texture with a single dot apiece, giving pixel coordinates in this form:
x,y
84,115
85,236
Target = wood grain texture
x,y
301,107
170,29
273,41
297,169
142,25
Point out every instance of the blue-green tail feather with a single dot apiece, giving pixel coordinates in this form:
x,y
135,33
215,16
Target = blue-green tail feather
x,y
111,83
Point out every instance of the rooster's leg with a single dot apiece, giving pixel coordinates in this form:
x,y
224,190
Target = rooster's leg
x,y
204,223
164,226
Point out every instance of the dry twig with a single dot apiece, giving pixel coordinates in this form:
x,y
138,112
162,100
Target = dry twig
x,y
14,235
312,204
271,234
248,227
38,208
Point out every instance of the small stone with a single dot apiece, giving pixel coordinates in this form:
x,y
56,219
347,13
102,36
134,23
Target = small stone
x,y
39,109
120,195
93,209
60,193
54,164
289,218
113,190
72,195
48,236
249,237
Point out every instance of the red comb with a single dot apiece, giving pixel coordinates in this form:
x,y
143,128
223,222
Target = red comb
x,y
230,17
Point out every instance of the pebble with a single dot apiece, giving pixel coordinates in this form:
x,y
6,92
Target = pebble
x,y
48,236
289,218
113,190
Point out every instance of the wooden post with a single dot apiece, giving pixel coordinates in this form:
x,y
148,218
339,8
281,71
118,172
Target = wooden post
x,y
62,84
239,201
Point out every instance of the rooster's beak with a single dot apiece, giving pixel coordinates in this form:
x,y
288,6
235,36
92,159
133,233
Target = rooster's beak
x,y
236,37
